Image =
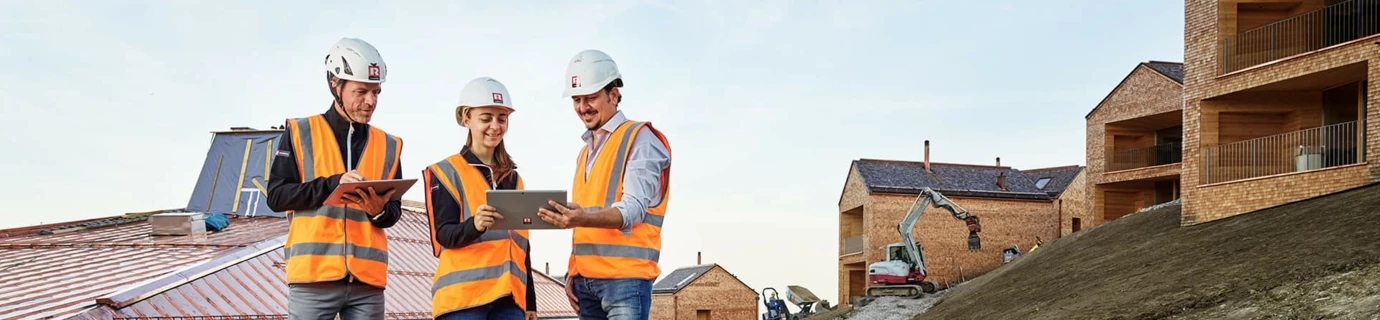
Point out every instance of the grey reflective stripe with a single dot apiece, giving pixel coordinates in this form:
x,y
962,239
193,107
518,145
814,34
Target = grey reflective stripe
x,y
308,160
454,177
478,274
390,146
496,235
368,253
613,250
333,213
611,195
335,249
653,219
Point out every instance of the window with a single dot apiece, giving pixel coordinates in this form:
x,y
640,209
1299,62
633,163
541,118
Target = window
x,y
1077,224
702,315
1041,183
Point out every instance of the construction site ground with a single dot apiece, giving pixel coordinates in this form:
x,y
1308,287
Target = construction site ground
x,y
1314,259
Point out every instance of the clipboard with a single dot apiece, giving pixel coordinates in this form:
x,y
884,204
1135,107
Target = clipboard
x,y
337,197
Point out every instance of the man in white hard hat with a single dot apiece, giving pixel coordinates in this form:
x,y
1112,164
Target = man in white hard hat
x,y
337,255
619,198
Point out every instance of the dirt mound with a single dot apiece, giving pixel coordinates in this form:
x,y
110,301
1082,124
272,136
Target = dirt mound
x,y
1315,259
884,308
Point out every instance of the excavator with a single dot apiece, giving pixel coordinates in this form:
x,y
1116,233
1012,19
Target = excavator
x,y
903,274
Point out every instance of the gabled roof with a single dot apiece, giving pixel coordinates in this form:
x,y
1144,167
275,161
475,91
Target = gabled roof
x,y
1059,178
59,270
119,271
1172,70
680,278
909,177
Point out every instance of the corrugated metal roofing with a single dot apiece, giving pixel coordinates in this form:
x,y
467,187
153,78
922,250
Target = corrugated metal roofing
x,y
60,275
238,273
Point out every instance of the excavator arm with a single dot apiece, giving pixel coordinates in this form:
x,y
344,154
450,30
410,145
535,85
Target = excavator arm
x,y
928,197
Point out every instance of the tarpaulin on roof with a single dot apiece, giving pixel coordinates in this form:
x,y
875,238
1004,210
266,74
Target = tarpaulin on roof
x,y
234,178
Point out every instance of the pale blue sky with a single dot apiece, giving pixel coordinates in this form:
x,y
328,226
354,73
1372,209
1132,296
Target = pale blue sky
x,y
764,102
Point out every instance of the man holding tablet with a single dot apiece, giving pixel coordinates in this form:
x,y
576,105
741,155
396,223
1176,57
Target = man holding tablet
x,y
337,254
618,199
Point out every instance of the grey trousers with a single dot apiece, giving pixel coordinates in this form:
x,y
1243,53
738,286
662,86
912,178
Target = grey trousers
x,y
322,301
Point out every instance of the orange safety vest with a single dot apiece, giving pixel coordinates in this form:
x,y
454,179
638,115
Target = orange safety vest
x,y
483,271
609,253
329,243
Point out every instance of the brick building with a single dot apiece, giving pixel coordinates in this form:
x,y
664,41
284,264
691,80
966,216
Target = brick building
x,y
1015,207
1134,145
702,292
1276,101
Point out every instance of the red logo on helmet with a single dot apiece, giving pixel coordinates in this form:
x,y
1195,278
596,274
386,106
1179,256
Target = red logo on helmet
x,y
374,72
574,81
498,97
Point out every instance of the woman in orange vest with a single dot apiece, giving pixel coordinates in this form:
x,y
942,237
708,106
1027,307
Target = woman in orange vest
x,y
482,273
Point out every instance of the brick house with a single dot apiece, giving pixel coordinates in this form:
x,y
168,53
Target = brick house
x,y
702,292
1134,145
1276,97
1015,207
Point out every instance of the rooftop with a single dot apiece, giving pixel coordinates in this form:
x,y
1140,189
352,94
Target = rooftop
x,y
116,270
680,278
909,177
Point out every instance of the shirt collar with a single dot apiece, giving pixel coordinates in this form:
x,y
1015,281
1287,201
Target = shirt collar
x,y
617,120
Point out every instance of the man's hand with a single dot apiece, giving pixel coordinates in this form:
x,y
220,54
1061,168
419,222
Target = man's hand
x,y
531,315
485,217
565,215
570,293
352,176
368,200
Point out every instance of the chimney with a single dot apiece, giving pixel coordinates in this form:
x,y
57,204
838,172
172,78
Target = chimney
x,y
1001,181
927,156
548,268
998,161
699,258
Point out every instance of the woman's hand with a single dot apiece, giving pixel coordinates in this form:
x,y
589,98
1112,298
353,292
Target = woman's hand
x,y
485,216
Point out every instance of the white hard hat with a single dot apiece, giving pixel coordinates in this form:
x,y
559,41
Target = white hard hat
x,y
590,71
355,60
482,92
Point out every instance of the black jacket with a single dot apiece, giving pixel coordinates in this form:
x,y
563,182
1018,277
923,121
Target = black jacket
x,y
286,191
452,233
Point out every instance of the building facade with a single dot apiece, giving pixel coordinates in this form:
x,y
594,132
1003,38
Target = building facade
x,y
1276,102
702,292
1015,207
1134,144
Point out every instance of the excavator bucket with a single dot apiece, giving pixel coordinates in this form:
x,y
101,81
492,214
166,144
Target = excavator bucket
x,y
974,243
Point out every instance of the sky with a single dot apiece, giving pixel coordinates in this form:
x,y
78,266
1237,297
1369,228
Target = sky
x,y
109,106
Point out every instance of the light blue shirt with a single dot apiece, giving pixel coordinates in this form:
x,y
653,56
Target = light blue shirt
x,y
642,175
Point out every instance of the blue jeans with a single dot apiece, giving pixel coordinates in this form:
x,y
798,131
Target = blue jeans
x,y
502,309
613,299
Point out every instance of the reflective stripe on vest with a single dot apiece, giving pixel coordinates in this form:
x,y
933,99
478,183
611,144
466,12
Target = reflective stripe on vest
x,y
608,253
330,243
490,268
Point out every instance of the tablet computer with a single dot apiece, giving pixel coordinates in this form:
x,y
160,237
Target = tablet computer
x,y
337,197
519,208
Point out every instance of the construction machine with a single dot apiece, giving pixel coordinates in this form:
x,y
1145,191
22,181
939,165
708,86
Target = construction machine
x,y
801,297
903,274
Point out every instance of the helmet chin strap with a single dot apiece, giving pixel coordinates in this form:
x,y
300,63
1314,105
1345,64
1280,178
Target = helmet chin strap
x,y
340,86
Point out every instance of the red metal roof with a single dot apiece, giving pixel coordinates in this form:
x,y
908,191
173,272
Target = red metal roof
x,y
60,275
216,276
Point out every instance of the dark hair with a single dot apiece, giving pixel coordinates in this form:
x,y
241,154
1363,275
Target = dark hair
x,y
615,83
